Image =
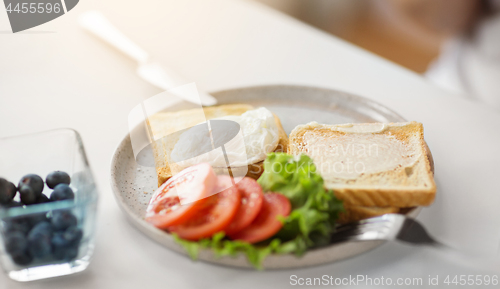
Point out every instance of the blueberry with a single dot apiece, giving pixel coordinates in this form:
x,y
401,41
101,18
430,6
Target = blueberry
x,y
61,220
18,224
57,177
15,242
69,238
73,235
59,241
7,191
40,246
22,258
34,182
65,253
42,199
43,228
11,204
39,240
35,219
62,192
28,195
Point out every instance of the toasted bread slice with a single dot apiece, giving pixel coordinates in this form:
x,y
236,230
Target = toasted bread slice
x,y
356,213
371,164
166,123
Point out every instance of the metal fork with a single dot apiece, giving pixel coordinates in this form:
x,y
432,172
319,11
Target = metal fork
x,y
385,227
398,227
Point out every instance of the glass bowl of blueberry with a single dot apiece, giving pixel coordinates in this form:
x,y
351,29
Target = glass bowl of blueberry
x,y
48,204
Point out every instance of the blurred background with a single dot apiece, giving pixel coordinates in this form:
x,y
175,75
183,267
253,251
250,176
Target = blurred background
x,y
375,25
454,43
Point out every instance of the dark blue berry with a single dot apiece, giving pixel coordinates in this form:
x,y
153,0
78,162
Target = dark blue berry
x,y
44,228
35,219
28,195
21,258
39,240
59,241
16,227
69,238
62,192
15,242
35,182
65,253
11,204
7,191
18,224
42,199
56,178
73,235
39,246
62,219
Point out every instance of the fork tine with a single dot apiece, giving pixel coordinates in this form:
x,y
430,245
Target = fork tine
x,y
362,235
356,230
367,223
385,227
369,229
414,232
382,227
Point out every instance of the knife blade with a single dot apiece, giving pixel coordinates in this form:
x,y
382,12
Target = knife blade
x,y
150,71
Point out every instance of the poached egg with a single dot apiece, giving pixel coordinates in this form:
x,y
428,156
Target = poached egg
x,y
257,136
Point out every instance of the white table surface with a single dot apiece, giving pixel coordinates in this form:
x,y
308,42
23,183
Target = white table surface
x,y
57,75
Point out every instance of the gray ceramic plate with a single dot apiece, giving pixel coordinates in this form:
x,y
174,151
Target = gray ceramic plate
x,y
134,185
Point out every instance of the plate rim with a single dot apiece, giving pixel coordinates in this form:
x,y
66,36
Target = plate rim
x,y
371,102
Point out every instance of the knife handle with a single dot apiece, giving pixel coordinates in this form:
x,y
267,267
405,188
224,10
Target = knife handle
x,y
98,25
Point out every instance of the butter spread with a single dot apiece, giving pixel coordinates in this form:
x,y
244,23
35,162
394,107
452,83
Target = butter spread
x,y
362,128
361,150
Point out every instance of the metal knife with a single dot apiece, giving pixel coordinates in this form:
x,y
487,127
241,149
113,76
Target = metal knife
x,y
150,71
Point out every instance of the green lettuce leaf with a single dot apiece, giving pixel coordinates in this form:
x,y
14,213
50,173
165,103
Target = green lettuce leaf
x,y
310,223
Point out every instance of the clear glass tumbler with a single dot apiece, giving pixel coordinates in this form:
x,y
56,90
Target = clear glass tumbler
x,y
42,153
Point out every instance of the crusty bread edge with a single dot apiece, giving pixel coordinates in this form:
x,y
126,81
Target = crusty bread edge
x,y
356,213
381,197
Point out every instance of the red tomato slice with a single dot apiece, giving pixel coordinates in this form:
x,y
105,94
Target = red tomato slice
x,y
266,224
214,215
166,209
251,203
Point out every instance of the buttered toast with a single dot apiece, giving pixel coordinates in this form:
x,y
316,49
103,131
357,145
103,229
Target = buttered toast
x,y
373,168
165,123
